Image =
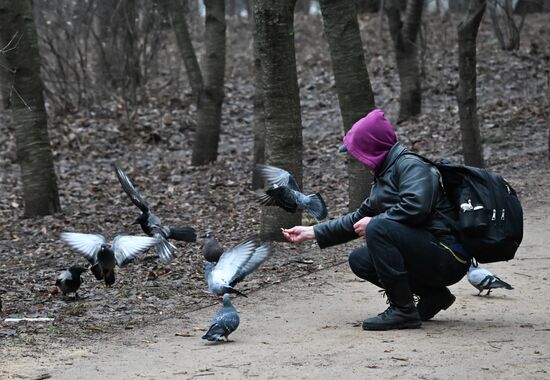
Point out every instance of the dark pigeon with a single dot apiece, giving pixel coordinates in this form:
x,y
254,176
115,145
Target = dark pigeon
x,y
211,249
224,322
482,279
104,257
151,224
283,191
235,264
69,281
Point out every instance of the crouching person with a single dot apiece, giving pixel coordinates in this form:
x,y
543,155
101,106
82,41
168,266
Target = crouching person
x,y
410,247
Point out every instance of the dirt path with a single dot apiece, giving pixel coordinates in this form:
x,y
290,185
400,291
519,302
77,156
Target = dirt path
x,y
310,328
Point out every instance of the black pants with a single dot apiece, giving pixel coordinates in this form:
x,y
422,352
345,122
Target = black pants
x,y
396,252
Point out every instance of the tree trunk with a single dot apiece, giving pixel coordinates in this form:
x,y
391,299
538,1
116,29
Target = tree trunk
x,y
207,136
5,78
404,33
352,82
131,64
467,101
34,153
175,11
259,117
275,32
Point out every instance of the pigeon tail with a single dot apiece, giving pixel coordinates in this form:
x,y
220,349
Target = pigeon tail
x,y
183,234
109,277
229,289
164,249
504,284
214,333
316,206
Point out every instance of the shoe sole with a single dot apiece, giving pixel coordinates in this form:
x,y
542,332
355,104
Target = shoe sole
x,y
410,325
448,305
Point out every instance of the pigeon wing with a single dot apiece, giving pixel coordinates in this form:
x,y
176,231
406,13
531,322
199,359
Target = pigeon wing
x,y
88,245
260,254
231,262
277,176
127,247
129,189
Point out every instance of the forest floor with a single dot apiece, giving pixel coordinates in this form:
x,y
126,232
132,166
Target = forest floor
x,y
302,319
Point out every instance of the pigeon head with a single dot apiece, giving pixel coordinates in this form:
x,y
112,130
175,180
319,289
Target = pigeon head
x,y
77,269
227,300
140,219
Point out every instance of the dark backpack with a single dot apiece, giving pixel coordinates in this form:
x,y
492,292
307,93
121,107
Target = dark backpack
x,y
490,223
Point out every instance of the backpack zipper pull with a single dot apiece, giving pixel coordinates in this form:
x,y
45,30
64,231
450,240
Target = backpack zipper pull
x,y
494,217
502,215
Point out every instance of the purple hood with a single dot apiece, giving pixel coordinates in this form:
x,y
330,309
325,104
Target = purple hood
x,y
370,139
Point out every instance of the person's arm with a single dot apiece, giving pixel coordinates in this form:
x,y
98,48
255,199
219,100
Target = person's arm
x,y
341,230
418,184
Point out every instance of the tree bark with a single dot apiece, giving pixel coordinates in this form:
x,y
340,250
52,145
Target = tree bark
x,y
175,12
404,34
275,32
467,101
259,117
207,136
131,63
352,82
34,153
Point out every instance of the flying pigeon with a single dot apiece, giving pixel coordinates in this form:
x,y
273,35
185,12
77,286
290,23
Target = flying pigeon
x,y
224,322
482,279
283,191
104,257
211,249
69,281
151,224
235,264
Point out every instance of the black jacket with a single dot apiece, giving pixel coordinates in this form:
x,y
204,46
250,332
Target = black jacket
x,y
407,190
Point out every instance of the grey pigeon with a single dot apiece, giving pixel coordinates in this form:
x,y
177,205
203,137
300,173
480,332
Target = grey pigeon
x,y
224,322
235,264
283,191
69,281
151,224
105,257
211,249
482,279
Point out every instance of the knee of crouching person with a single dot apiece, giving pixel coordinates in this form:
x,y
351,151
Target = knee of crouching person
x,y
375,227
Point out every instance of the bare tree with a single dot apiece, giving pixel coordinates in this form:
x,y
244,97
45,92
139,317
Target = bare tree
x,y
352,81
507,28
467,101
176,13
283,124
404,33
20,47
207,136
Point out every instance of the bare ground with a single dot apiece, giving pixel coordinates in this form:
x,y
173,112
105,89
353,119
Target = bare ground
x,y
309,327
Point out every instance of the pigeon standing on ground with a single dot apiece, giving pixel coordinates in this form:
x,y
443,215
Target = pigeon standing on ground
x,y
482,279
105,257
151,224
69,281
235,264
283,191
224,322
211,249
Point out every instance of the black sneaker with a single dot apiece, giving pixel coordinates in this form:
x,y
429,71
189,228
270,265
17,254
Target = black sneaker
x,y
433,302
394,318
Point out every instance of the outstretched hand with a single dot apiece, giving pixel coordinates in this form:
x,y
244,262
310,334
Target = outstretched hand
x,y
298,234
